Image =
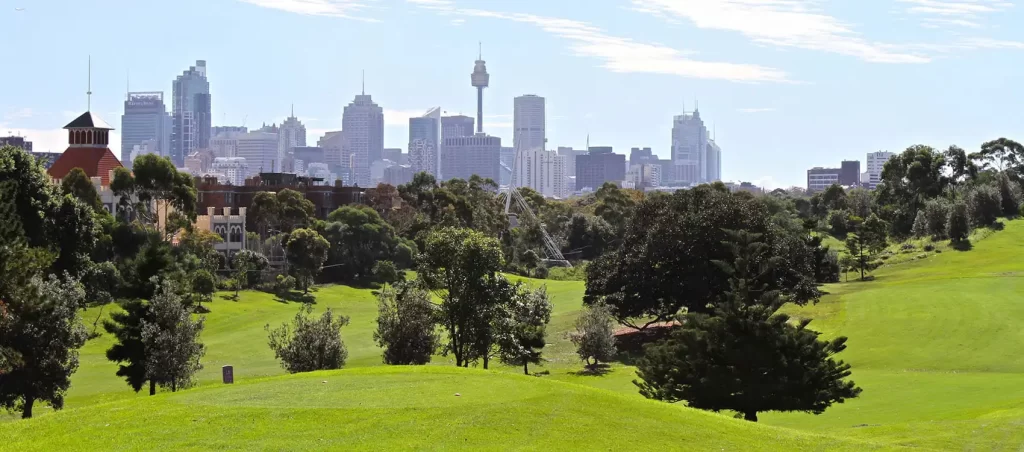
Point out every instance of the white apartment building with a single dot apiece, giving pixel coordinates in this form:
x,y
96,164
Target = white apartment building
x,y
876,162
528,123
543,171
234,170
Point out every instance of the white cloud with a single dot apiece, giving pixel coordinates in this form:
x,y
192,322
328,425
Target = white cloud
x,y
621,54
768,183
782,23
457,22
986,43
756,110
348,9
938,14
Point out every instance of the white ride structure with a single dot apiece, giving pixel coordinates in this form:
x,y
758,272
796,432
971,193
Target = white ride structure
x,y
553,255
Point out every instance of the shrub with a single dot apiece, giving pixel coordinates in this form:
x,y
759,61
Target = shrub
x,y
541,273
595,335
907,247
985,205
958,227
839,222
309,344
406,325
387,272
284,284
929,247
920,228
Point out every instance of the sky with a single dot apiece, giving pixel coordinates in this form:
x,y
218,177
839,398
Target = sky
x,y
784,84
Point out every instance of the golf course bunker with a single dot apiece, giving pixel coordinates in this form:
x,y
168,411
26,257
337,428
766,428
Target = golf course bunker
x,y
373,390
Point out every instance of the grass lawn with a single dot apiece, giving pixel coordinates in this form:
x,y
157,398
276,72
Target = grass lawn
x,y
935,343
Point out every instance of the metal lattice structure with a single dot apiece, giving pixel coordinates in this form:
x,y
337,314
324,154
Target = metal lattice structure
x,y
511,195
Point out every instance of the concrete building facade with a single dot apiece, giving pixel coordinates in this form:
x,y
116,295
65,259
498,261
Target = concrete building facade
x,y
259,149
145,118
689,149
363,140
543,171
425,142
528,123
597,166
480,154
875,165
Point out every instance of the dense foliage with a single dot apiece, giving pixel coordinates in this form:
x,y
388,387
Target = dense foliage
x,y
310,343
406,328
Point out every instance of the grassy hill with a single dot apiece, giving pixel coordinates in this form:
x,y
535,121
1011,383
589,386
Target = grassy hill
x,y
935,343
398,408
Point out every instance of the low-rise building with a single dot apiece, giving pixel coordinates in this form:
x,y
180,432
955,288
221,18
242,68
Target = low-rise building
x,y
230,228
325,198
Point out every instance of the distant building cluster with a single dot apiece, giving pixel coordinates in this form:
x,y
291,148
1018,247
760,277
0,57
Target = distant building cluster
x,y
849,174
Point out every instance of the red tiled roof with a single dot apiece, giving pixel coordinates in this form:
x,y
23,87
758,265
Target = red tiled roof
x,y
96,162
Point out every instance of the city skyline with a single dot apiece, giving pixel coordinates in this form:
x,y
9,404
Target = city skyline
x,y
619,71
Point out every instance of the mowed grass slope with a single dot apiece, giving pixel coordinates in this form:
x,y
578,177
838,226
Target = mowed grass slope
x,y
398,408
937,345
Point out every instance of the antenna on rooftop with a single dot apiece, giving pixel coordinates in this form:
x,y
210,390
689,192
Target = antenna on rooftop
x,y
88,94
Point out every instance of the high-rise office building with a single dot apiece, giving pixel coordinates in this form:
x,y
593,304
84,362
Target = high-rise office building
x,y
18,142
528,123
714,162
191,121
225,143
331,143
597,166
876,163
819,179
259,149
425,143
479,154
849,173
639,156
570,165
456,126
216,130
689,149
395,155
363,138
290,135
543,171
145,118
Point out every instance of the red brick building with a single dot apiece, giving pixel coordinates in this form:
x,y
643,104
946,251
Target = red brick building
x,y
326,198
88,138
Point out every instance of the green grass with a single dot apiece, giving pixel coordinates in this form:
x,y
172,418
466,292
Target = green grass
x,y
936,344
400,408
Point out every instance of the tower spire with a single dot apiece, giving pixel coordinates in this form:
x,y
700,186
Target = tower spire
x,y
481,50
88,94
364,82
293,109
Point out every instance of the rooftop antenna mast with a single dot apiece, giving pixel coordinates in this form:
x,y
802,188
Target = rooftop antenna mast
x,y
364,82
88,94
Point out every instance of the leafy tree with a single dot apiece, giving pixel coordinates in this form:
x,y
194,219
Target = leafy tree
x,y
920,224
43,333
613,205
143,272
307,251
385,271
171,340
203,286
961,168
263,213
908,180
839,222
74,229
869,240
406,325
985,204
359,238
936,215
1000,154
958,227
834,198
248,266
310,344
152,185
102,282
595,335
1009,196
295,210
78,184
462,266
523,340
129,351
530,260
745,357
847,263
664,263
587,237
201,243
861,202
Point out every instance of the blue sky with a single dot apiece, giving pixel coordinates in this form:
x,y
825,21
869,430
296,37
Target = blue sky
x,y
787,84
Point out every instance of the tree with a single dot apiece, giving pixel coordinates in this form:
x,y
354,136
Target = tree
x,y
985,205
1009,196
613,205
530,260
406,324
664,264
202,244
523,340
386,272
961,168
1001,154
171,340
587,237
920,225
958,227
248,266
203,287
294,210
76,183
263,213
869,240
907,181
153,185
936,213
307,251
129,351
359,239
595,335
43,333
745,357
310,344
462,266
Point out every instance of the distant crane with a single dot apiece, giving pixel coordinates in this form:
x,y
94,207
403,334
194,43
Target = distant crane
x,y
510,194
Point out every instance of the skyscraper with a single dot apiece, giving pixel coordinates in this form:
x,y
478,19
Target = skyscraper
x,y
259,149
528,123
714,162
456,126
689,149
291,134
363,139
425,143
597,166
876,163
479,154
191,121
480,79
145,118
543,171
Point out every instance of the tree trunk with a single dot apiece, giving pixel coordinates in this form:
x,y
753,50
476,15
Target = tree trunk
x,y
750,416
526,369
26,412
174,385
152,387
485,361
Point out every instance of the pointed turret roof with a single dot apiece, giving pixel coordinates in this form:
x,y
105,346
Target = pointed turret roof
x,y
88,121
